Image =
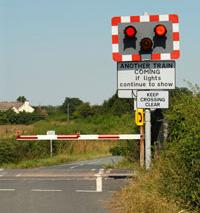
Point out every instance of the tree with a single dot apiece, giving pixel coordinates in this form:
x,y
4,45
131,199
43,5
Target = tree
x,y
118,106
71,104
21,99
83,111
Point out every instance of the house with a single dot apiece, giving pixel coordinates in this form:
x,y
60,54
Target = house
x,y
17,106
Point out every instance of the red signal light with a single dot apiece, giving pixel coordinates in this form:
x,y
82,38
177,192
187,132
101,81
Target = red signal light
x,y
130,31
160,30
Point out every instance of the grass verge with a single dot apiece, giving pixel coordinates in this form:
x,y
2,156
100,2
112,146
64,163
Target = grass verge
x,y
142,196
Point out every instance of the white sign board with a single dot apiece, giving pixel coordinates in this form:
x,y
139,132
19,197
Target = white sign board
x,y
127,93
146,75
153,99
51,132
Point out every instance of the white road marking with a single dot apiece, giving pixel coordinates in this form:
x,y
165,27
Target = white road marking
x,y
73,167
18,175
86,191
73,164
7,190
93,169
1,169
94,162
46,190
1,175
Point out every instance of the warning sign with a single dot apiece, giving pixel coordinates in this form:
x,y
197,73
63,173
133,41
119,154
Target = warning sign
x,y
146,75
152,99
127,93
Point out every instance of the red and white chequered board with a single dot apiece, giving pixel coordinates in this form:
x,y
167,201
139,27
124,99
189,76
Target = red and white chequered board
x,y
175,54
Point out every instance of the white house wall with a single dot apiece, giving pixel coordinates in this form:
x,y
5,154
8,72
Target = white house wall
x,y
26,108
15,110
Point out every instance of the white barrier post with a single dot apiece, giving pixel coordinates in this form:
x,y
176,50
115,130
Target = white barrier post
x,y
99,181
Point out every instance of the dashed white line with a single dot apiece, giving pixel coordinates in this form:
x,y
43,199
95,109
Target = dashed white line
x,y
7,190
46,190
18,175
73,167
92,163
1,169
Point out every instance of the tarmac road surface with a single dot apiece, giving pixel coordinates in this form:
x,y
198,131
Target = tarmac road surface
x,y
67,188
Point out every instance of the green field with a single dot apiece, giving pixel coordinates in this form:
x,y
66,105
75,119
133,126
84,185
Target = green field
x,y
25,154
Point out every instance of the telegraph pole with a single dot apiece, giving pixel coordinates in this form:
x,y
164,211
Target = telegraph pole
x,y
51,148
68,112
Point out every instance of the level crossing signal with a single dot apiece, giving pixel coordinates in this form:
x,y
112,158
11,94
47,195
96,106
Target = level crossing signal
x,y
147,37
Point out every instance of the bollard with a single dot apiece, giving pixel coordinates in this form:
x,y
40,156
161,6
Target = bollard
x,y
99,181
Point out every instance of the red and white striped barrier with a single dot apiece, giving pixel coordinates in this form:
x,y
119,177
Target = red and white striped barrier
x,y
78,137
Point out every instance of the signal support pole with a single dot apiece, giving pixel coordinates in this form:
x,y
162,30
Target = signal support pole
x,y
147,138
142,146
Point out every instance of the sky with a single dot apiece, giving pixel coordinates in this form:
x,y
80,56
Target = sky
x,y
52,49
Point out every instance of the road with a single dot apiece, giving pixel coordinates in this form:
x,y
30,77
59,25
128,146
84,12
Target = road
x,y
67,188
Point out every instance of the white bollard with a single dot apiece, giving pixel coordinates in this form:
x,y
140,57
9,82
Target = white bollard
x,y
99,183
99,180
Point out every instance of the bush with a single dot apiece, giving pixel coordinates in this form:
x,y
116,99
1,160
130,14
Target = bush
x,y
12,151
10,117
83,111
180,171
130,150
180,167
8,152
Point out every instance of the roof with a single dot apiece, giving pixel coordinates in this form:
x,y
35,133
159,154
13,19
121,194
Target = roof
x,y
10,105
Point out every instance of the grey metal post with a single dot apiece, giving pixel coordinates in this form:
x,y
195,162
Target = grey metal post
x,y
147,138
51,147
